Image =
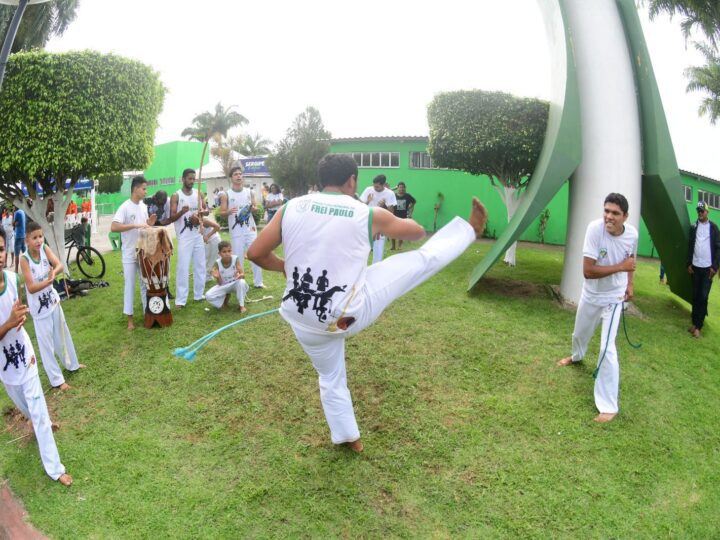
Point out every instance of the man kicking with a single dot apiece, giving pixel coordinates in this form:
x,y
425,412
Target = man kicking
x,y
327,236
608,266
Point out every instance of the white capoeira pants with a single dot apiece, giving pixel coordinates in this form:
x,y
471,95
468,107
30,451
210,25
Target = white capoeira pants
x,y
385,282
240,245
192,251
131,272
29,398
211,255
49,333
587,318
216,295
378,249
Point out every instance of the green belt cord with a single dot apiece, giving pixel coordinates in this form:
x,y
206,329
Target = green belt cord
x,y
607,338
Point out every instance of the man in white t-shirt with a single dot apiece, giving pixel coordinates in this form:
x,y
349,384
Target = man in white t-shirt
x,y
703,261
331,294
130,217
379,196
608,266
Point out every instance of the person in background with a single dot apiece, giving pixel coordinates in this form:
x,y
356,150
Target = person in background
x,y
404,208
702,260
273,201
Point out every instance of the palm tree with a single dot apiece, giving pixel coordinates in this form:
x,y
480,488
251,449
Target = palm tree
x,y
706,79
207,125
40,22
250,145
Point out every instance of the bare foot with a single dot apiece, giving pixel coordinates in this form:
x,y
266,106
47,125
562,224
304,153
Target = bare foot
x,y
604,417
55,427
692,329
131,324
63,386
356,446
564,362
81,366
65,480
243,309
226,301
179,306
478,217
695,333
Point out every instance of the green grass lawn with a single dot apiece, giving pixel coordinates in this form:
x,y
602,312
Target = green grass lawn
x,y
469,428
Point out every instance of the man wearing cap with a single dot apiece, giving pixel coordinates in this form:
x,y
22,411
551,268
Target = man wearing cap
x,y
703,259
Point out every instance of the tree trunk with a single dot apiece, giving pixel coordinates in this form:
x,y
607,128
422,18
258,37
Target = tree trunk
x,y
54,232
511,198
199,175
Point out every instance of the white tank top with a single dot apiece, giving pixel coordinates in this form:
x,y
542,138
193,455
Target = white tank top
x,y
227,274
43,302
17,356
243,219
326,241
184,230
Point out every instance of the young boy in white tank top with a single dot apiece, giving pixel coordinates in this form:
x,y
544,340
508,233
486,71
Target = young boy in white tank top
x,y
18,370
229,275
39,266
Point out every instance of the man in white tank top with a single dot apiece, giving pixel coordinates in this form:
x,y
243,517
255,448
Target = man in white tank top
x,y
186,212
376,196
608,267
238,205
331,293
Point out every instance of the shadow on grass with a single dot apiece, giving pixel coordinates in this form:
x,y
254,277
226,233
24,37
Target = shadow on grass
x,y
510,288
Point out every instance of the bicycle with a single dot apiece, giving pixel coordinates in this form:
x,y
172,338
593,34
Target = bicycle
x,y
88,259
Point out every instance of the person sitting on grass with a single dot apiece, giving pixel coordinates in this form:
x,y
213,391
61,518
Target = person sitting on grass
x,y
19,374
39,266
229,275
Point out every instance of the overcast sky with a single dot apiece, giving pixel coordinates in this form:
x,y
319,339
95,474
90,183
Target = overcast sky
x,y
370,68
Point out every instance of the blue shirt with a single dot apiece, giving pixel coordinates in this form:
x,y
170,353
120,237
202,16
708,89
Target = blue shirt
x,y
19,224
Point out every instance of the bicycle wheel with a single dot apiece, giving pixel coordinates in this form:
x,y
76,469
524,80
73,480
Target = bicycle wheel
x,y
90,263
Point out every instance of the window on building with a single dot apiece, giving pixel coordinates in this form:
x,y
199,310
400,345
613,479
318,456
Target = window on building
x,y
421,160
376,159
711,199
688,193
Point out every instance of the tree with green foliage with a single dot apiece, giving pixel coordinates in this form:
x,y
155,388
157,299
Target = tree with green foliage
x,y
227,150
72,115
489,133
212,125
39,23
294,164
110,183
703,15
253,145
706,79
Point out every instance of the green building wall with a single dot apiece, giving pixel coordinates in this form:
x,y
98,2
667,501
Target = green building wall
x,y
165,172
458,187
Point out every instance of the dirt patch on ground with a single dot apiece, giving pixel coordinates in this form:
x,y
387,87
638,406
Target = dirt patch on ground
x,y
12,519
510,288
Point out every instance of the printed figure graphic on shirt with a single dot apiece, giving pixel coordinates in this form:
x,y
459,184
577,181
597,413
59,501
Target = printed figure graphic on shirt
x,y
14,356
45,299
242,218
188,225
302,292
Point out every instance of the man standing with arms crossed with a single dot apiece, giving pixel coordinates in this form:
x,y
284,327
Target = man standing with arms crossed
x,y
703,259
238,204
608,267
403,209
329,234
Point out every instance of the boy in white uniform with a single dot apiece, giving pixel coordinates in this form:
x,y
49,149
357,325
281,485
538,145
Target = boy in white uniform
x,y
19,372
238,204
39,266
378,196
608,266
131,216
186,213
229,275
331,293
211,237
